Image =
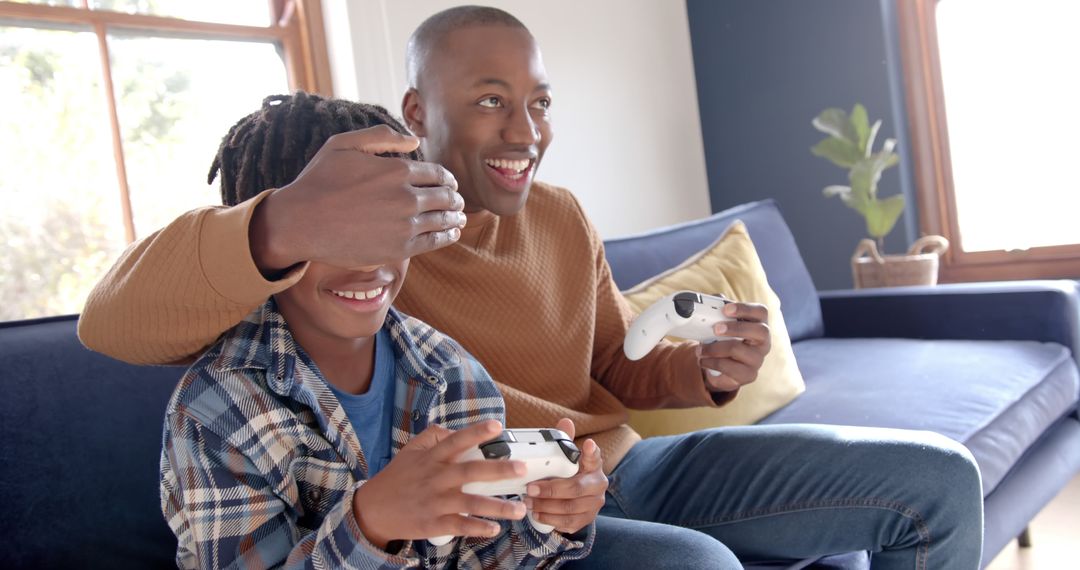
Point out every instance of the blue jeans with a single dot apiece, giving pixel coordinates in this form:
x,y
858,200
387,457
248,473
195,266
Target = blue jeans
x,y
911,498
626,544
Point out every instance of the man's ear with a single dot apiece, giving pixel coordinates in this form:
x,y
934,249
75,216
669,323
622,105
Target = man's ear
x,y
412,109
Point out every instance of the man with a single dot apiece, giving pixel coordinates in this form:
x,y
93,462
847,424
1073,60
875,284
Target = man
x,y
526,289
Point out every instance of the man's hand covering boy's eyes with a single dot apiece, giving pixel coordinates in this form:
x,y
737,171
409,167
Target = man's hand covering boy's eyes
x,y
349,208
571,504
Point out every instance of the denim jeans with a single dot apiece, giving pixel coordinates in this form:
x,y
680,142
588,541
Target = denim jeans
x,y
911,498
625,544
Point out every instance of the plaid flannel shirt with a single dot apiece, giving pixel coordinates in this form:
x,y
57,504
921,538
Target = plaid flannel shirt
x,y
260,462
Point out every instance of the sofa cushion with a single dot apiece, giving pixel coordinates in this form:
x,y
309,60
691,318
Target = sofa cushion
x,y
995,397
730,267
81,441
635,258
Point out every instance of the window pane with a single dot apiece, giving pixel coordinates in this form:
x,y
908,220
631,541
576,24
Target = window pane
x,y
48,2
176,99
60,221
243,12
1011,82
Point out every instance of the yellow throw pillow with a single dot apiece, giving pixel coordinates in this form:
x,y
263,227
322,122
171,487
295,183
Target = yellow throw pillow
x,y
731,267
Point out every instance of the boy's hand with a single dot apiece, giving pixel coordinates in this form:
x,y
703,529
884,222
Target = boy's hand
x,y
349,208
571,504
418,495
738,361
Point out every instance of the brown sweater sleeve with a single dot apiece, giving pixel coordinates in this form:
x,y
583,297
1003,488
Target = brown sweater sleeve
x,y
171,294
668,377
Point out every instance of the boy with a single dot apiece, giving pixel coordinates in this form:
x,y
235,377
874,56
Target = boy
x,y
318,431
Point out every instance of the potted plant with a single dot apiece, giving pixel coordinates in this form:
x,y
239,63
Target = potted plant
x,y
850,146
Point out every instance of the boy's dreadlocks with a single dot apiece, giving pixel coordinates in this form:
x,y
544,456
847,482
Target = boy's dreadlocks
x,y
270,147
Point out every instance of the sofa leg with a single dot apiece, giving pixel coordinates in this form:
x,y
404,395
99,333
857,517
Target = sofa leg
x,y
1024,540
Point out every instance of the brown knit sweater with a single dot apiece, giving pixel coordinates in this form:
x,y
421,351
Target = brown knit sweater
x,y
530,295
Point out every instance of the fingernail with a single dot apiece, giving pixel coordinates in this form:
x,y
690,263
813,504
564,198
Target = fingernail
x,y
729,309
519,508
533,490
528,502
697,351
462,218
719,328
455,233
494,529
519,468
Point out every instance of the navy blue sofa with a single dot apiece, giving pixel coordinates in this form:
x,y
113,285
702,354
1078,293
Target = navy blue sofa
x,y
991,365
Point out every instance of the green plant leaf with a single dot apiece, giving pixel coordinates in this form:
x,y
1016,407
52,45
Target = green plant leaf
x,y
873,135
858,201
852,200
840,152
864,177
851,146
836,190
834,122
888,156
855,200
866,172
881,215
860,125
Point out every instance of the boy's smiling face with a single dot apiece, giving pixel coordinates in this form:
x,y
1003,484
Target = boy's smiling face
x,y
481,108
334,307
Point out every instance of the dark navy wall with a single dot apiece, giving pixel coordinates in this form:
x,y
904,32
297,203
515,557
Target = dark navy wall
x,y
764,69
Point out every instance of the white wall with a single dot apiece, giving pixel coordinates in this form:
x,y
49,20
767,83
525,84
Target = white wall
x,y
627,134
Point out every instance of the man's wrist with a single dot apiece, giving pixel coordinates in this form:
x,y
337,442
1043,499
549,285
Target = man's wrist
x,y
719,397
268,251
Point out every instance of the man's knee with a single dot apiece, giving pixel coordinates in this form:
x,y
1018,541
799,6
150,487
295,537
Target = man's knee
x,y
948,463
961,478
940,478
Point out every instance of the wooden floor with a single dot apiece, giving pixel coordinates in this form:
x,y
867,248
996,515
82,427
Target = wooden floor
x,y
1055,537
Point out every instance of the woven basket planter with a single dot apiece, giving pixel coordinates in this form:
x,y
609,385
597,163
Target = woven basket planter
x,y
919,267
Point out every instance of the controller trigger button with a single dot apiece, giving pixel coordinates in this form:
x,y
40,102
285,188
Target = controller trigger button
x,y
570,450
497,449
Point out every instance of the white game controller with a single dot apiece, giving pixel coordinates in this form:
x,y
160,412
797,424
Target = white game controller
x,y
546,453
685,314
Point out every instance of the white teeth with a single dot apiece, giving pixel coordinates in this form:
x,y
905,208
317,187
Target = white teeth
x,y
359,294
516,165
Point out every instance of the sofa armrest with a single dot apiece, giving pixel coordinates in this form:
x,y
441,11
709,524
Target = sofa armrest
x,y
1046,311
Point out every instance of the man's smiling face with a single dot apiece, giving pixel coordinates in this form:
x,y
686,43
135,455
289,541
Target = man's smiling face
x,y
481,106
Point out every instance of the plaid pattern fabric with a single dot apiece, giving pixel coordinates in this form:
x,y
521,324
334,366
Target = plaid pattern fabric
x,y
260,462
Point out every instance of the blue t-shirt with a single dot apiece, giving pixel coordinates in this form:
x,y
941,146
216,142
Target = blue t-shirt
x,y
371,412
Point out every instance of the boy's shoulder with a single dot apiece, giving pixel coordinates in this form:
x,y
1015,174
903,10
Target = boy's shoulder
x,y
230,375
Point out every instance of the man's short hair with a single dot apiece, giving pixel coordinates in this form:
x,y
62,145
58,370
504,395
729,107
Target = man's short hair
x,y
432,31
